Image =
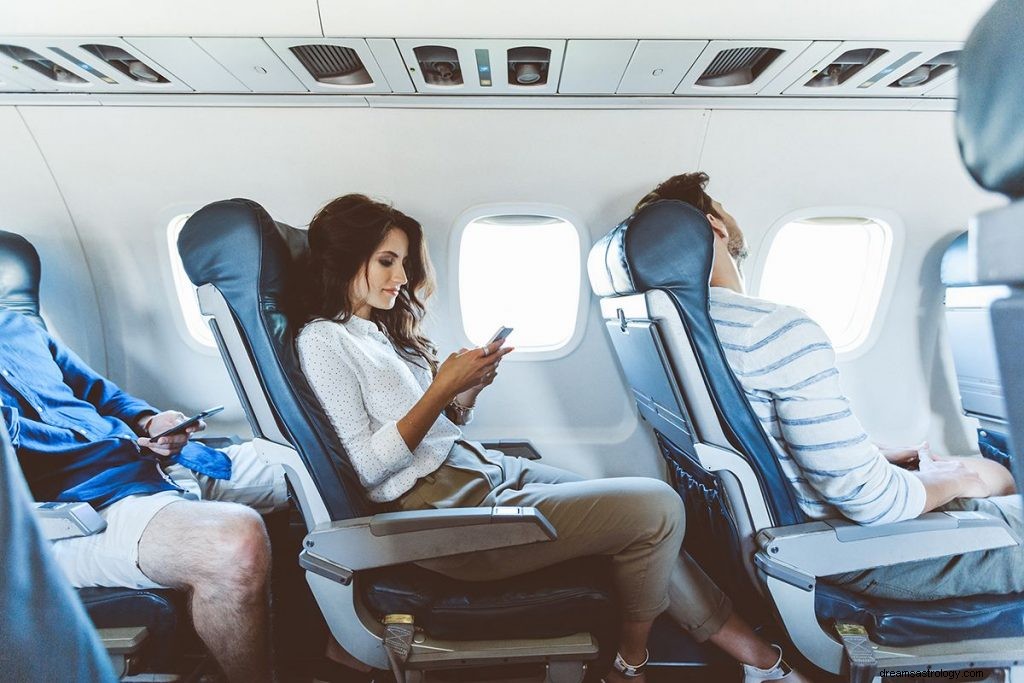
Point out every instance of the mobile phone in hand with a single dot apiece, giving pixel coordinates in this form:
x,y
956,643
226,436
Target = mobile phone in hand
x,y
500,335
182,426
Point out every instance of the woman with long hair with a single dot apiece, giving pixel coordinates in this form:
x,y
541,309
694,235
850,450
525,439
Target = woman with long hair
x,y
397,411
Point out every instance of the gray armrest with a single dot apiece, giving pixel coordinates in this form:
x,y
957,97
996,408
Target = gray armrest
x,y
796,554
338,549
68,520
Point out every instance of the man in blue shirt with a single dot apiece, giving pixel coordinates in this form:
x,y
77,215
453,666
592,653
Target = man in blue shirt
x,y
172,507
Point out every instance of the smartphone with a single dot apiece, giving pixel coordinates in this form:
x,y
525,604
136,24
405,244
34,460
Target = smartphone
x,y
182,426
500,335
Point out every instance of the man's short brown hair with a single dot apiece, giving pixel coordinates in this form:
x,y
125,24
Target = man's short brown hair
x,y
687,187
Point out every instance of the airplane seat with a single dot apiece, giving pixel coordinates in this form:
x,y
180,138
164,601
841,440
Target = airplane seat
x,y
991,136
359,557
974,353
651,273
162,612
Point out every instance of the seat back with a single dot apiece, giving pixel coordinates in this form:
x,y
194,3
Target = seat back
x,y
970,337
665,252
20,273
990,131
243,260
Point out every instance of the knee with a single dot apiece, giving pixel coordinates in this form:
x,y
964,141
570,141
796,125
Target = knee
x,y
241,561
664,509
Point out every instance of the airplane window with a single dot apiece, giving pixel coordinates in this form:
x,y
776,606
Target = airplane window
x,y
188,296
522,271
833,267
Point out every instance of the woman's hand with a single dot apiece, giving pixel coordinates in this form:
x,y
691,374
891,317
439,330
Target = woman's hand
x,y
470,370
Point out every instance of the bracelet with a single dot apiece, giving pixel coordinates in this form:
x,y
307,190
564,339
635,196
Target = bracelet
x,y
461,412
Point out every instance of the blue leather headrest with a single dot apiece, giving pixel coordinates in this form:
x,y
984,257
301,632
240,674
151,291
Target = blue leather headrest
x,y
990,109
20,272
237,247
955,270
669,245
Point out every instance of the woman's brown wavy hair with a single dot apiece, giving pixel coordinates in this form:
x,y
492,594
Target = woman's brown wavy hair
x,y
343,236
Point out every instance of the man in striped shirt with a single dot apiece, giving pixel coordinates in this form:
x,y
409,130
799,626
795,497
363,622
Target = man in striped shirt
x,y
787,367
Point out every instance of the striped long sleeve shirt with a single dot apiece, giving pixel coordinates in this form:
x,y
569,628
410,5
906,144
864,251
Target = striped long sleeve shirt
x,y
787,368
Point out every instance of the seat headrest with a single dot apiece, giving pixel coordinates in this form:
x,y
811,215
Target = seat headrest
x,y
20,273
237,247
990,103
669,245
955,270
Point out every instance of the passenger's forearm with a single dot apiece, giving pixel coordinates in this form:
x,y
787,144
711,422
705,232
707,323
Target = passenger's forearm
x,y
422,416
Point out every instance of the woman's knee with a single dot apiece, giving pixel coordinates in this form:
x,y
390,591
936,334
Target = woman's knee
x,y
661,506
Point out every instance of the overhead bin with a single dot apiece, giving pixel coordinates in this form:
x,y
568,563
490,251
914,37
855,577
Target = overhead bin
x,y
739,67
658,66
483,67
878,69
595,67
86,65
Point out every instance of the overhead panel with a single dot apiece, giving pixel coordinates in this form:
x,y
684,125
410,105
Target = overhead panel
x,y
483,67
389,59
739,67
89,65
807,60
657,66
331,65
879,69
595,67
252,62
189,62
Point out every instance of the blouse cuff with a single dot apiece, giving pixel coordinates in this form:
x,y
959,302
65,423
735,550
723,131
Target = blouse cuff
x,y
390,449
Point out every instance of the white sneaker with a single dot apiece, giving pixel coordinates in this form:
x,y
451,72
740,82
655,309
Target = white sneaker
x,y
779,672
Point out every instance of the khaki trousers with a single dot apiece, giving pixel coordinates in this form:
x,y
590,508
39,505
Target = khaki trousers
x,y
638,521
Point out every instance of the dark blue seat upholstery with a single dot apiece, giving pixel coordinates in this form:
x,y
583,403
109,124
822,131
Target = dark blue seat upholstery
x,y
163,612
668,246
237,247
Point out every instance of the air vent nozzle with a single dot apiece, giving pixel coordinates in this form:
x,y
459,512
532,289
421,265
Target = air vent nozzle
x,y
125,62
528,65
927,72
439,65
41,65
845,66
332,64
738,66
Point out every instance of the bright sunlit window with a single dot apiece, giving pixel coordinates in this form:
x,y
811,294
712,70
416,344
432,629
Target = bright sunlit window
x,y
188,296
834,268
521,271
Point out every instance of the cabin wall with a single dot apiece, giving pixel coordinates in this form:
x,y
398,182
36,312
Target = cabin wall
x,y
125,172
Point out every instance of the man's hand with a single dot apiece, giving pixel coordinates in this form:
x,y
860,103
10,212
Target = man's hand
x,y
948,480
171,445
905,457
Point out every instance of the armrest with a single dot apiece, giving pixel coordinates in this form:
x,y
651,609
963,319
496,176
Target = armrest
x,y
68,520
338,549
796,554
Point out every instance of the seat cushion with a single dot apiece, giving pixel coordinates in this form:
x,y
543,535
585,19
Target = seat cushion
x,y
567,598
900,623
163,612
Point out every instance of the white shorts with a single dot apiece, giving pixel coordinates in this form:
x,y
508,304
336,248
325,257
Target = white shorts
x,y
111,558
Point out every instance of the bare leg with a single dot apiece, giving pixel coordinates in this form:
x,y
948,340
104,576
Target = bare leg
x,y
220,554
632,647
739,640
